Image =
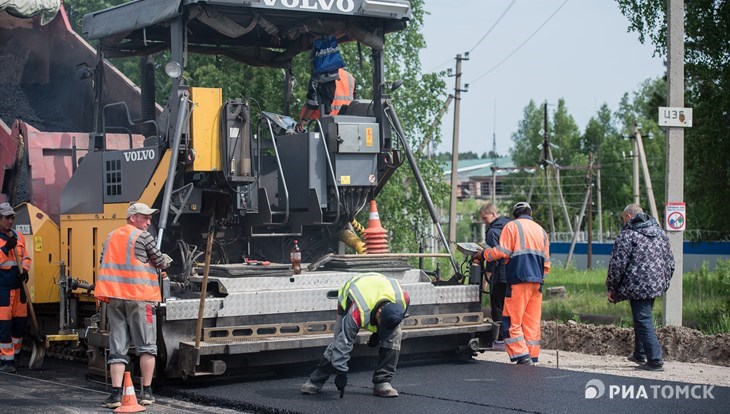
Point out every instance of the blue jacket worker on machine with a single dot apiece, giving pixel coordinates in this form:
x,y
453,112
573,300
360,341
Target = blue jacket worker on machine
x,y
370,301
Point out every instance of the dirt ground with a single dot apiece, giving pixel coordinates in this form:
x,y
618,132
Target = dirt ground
x,y
690,356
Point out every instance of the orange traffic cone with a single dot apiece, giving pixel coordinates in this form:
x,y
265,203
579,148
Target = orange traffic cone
x,y
129,399
376,237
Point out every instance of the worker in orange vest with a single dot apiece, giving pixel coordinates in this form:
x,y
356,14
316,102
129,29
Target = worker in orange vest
x,y
330,87
524,244
128,282
13,303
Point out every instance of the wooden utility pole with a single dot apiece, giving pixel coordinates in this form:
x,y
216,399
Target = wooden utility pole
x,y
589,222
645,170
674,184
547,163
635,156
455,150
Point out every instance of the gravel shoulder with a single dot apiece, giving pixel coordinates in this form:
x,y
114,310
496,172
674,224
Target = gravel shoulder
x,y
686,372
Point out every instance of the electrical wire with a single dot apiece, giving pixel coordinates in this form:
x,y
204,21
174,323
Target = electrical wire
x,y
494,25
480,40
518,47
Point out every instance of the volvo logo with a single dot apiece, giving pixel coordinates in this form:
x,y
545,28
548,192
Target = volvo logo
x,y
140,155
344,6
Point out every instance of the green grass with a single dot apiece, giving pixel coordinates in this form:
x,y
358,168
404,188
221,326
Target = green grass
x,y
706,298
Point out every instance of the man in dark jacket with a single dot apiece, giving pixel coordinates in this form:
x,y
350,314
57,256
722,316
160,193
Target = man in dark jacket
x,y
640,269
496,273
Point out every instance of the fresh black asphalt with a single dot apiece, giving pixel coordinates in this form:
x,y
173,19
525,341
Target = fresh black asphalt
x,y
439,388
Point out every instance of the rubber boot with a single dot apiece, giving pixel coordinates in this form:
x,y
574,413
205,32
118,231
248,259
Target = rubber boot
x,y
497,345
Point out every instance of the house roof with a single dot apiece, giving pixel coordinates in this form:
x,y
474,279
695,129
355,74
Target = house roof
x,y
479,167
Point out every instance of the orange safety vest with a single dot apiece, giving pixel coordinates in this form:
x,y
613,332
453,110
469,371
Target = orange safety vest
x,y
344,94
121,274
9,261
344,91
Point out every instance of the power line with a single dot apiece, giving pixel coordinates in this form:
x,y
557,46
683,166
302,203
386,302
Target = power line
x,y
441,65
493,26
520,46
483,37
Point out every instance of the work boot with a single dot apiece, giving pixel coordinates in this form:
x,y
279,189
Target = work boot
x,y
310,388
651,367
114,399
635,360
525,361
8,367
145,396
384,389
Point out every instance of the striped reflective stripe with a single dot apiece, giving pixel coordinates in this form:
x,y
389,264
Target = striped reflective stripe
x,y
9,263
529,251
364,308
521,234
513,340
133,268
128,260
520,356
399,299
533,343
504,250
342,296
129,281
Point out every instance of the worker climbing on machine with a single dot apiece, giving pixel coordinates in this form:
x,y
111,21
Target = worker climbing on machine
x,y
330,87
13,303
370,301
128,282
525,245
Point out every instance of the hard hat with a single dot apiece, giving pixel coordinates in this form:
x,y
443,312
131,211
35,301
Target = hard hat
x,y
522,206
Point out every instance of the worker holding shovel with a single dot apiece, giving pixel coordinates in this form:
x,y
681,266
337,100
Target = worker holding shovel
x,y
13,300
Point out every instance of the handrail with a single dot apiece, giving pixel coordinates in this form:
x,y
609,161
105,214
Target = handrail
x,y
281,175
129,118
332,173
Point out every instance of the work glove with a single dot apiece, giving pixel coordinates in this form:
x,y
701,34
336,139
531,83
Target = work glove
x,y
24,276
478,257
11,243
374,340
166,260
300,126
341,382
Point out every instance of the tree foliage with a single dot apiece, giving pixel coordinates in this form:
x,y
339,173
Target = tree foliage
x,y
707,84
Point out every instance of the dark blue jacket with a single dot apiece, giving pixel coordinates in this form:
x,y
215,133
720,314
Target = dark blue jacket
x,y
498,269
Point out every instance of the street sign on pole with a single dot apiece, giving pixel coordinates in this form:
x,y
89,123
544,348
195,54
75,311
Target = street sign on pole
x,y
675,117
675,216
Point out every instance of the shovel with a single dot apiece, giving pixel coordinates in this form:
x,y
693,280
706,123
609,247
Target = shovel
x,y
39,346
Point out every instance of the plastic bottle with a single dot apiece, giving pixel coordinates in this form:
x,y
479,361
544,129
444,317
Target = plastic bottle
x,y
295,254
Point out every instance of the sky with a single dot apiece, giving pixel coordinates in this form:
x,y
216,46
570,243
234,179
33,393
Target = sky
x,y
584,54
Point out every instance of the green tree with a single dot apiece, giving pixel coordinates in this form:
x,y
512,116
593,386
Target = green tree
x,y
707,80
564,137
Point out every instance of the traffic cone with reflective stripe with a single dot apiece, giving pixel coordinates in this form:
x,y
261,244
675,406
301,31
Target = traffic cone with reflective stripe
x,y
129,398
376,237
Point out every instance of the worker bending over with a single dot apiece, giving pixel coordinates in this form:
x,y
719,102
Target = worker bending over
x,y
370,301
